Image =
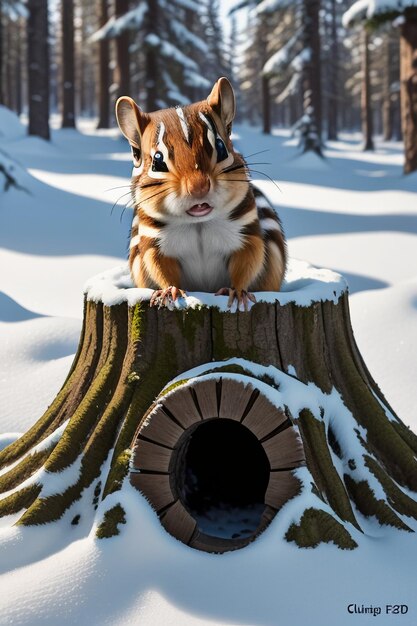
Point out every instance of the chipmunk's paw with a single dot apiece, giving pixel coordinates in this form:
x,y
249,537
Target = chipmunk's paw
x,y
166,297
240,295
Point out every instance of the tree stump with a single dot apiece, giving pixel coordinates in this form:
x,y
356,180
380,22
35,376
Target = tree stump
x,y
221,419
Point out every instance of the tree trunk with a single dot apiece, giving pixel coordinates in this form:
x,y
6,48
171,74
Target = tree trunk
x,y
312,74
190,23
81,61
68,65
151,59
38,68
262,37
104,72
387,109
366,108
87,59
1,56
18,67
12,56
9,65
408,52
293,109
398,131
240,409
122,53
233,43
266,106
333,70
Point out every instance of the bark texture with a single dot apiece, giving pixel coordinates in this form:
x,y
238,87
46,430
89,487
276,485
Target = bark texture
x,y
366,108
104,71
312,66
112,407
333,76
68,65
122,52
151,57
266,106
2,98
408,68
38,68
388,79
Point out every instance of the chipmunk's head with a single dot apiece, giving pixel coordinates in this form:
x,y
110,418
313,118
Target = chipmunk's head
x,y
185,167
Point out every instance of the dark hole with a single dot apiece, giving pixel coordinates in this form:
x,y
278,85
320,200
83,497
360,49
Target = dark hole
x,y
222,476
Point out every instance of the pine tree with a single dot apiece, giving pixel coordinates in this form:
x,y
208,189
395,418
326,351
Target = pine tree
x,y
12,13
384,80
103,70
311,76
301,54
173,53
351,80
250,73
68,64
38,68
333,85
374,13
87,58
122,51
181,54
217,63
367,125
152,23
232,63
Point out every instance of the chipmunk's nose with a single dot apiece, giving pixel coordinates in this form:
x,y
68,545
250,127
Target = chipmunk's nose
x,y
198,186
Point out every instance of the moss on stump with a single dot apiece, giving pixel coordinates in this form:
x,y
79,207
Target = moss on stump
x,y
130,358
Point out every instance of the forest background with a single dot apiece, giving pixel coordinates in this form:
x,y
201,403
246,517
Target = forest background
x,y
318,66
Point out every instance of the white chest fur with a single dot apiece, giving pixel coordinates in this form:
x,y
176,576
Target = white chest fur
x,y
203,250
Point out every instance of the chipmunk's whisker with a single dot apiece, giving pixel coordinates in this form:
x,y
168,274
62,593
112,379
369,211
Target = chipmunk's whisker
x,y
154,195
259,163
243,166
120,187
127,206
248,156
267,176
118,200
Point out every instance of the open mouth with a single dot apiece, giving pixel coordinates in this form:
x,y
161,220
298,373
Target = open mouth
x,y
199,210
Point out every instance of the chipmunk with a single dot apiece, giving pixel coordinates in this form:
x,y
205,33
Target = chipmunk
x,y
199,224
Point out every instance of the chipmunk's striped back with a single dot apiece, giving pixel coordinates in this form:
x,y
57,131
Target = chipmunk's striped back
x,y
274,237
199,223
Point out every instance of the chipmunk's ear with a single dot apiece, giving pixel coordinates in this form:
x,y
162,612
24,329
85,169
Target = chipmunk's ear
x,y
132,122
222,101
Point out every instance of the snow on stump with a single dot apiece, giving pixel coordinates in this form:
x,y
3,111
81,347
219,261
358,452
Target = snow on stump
x,y
222,420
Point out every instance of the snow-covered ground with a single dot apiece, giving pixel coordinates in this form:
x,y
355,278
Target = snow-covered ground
x,y
353,212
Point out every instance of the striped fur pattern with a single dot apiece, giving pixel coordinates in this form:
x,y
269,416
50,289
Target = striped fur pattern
x,y
199,224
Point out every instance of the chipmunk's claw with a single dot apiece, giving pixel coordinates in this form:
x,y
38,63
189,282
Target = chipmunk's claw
x,y
166,297
243,297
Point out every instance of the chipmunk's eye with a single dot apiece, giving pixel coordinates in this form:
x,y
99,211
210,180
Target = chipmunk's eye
x,y
158,163
222,153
